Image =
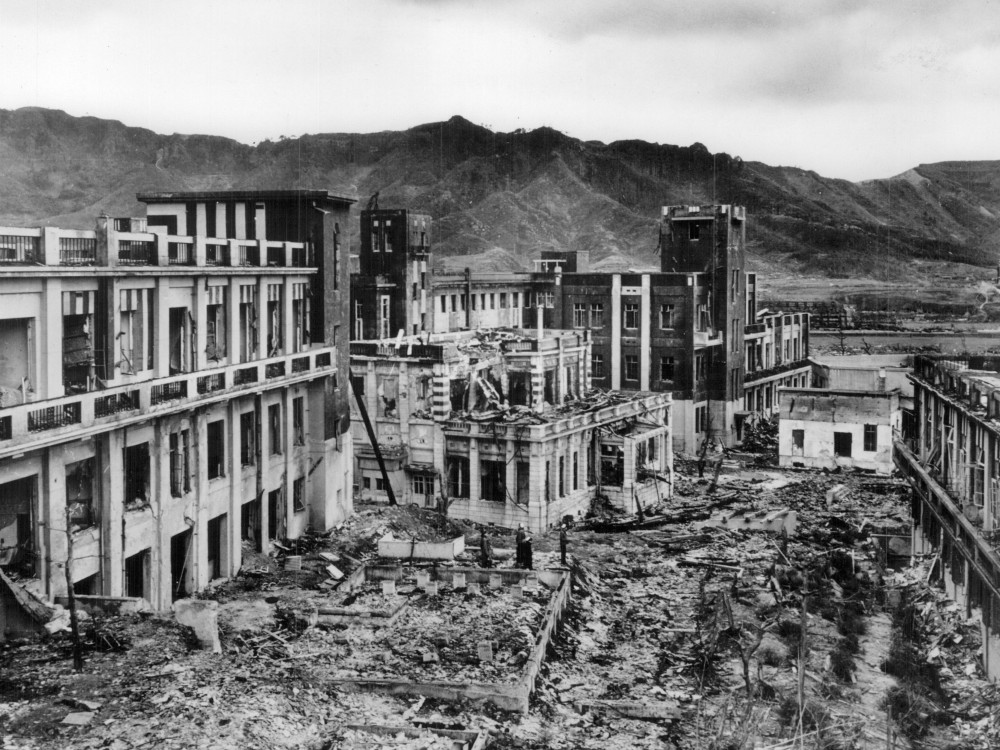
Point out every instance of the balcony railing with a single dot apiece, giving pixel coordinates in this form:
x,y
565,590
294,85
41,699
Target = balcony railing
x,y
19,249
136,253
77,251
216,253
180,254
249,255
40,423
129,243
116,403
51,417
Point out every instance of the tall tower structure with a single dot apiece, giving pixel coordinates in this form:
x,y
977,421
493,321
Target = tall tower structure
x,y
390,295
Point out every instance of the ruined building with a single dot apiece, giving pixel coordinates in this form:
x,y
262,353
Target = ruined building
x,y
501,426
692,329
952,463
172,390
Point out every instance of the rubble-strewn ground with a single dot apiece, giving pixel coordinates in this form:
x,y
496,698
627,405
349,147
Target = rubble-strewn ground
x,y
697,625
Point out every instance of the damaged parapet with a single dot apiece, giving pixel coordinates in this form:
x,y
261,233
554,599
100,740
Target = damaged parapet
x,y
500,426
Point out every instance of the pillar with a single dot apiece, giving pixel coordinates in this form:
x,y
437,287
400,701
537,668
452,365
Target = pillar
x,y
616,331
645,324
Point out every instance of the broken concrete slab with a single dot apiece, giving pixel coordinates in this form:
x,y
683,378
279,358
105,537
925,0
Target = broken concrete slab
x,y
646,710
411,549
78,718
202,616
334,572
777,521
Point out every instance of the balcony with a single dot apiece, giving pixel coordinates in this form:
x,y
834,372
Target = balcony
x,y
128,243
707,338
41,423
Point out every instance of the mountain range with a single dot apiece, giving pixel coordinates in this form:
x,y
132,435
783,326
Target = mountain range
x,y
498,199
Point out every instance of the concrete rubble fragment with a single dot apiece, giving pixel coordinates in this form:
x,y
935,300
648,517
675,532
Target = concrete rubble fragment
x,y
202,616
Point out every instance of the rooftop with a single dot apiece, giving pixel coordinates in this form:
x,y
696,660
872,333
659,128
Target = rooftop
x,y
244,195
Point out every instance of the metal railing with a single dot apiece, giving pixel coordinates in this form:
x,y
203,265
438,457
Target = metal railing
x,y
274,370
168,392
51,417
116,403
216,254
136,252
18,249
249,255
180,254
276,256
213,382
245,376
77,251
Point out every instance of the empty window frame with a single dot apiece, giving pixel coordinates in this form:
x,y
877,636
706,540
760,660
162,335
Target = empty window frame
x,y
248,439
842,444
597,315
871,437
180,483
215,332
798,440
666,317
630,312
136,459
631,367
216,434
493,481
298,420
579,315
274,429
597,365
458,476
666,368
299,494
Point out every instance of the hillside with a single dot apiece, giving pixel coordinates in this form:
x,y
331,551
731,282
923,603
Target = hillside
x,y
518,192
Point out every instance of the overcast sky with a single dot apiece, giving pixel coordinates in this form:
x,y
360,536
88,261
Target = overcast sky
x,y
848,88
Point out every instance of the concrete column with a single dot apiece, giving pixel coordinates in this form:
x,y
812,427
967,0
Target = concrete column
x,y
233,322
475,491
200,302
159,554
161,323
235,470
616,331
49,332
198,248
287,324
51,512
562,382
50,246
161,249
240,210
645,324
112,481
286,447
405,388
198,562
262,319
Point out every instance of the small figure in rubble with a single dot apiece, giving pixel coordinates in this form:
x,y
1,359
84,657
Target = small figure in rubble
x,y
519,538
563,542
485,550
527,552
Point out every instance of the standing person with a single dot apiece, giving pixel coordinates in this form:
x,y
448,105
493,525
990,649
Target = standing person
x,y
563,542
485,553
519,538
527,552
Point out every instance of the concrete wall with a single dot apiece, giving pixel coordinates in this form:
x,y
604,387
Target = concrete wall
x,y
821,415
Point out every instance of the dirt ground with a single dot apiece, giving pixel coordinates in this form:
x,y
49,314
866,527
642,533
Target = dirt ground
x,y
701,628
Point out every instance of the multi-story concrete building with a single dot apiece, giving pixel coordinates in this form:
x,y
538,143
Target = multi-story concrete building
x,y
776,349
681,330
500,426
952,463
172,388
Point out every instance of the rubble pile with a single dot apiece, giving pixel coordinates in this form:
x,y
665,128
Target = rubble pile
x,y
700,630
435,638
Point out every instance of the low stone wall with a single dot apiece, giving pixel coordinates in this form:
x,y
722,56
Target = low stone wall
x,y
510,697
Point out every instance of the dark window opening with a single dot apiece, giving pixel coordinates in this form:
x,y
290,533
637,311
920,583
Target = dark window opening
x,y
493,479
136,459
458,476
18,506
248,439
136,574
274,434
216,449
612,465
179,481
299,494
842,444
80,494
871,437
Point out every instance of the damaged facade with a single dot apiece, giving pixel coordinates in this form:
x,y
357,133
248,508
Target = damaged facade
x,y
501,426
952,463
170,389
691,329
827,429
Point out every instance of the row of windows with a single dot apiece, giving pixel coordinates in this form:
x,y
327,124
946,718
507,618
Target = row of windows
x,y
458,301
667,367
630,315
842,441
248,436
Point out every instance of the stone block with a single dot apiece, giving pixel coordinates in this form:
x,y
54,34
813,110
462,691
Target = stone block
x,y
496,581
423,578
458,581
431,589
485,651
202,616
472,587
517,591
388,588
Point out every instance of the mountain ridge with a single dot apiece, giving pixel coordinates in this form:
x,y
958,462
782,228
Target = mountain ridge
x,y
521,192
